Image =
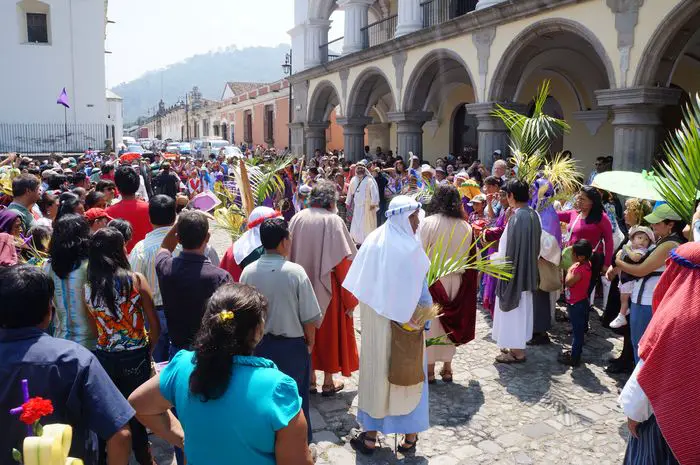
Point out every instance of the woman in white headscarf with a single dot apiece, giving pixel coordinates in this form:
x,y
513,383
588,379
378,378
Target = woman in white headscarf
x,y
388,277
248,248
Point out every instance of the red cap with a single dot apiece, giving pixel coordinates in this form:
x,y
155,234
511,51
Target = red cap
x,y
97,213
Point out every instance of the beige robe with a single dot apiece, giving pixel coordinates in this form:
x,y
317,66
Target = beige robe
x,y
432,228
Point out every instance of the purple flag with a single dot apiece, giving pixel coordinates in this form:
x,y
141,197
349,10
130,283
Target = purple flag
x,y
63,98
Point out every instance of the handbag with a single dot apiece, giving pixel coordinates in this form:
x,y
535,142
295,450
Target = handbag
x,y
406,356
567,254
549,276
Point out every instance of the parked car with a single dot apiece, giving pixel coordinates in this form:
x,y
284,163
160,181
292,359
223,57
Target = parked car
x,y
185,148
232,151
213,146
172,148
135,148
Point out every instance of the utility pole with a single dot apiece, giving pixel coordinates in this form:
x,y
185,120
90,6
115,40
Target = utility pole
x,y
187,114
287,68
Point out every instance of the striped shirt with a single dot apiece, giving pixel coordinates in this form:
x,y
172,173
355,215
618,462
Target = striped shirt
x,y
72,320
143,259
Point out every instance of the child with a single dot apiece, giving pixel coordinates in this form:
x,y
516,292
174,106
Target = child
x,y
578,278
635,251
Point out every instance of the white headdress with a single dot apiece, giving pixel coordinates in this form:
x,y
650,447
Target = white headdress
x,y
389,270
250,240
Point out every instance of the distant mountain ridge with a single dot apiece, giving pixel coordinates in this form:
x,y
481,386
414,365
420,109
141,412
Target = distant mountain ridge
x,y
209,71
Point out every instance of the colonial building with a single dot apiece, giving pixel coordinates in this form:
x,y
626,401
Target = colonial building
x,y
250,113
47,46
425,75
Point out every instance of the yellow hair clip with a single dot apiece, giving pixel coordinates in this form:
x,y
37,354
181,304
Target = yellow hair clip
x,y
226,315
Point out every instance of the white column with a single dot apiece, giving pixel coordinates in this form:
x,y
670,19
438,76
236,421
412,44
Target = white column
x,y
410,17
487,3
316,35
355,19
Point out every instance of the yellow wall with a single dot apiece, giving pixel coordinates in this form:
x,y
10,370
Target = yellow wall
x,y
440,144
687,75
584,146
651,16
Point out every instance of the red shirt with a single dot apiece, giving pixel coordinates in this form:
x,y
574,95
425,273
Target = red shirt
x,y
135,212
579,291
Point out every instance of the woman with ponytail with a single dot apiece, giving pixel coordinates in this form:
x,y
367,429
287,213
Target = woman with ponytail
x,y
233,407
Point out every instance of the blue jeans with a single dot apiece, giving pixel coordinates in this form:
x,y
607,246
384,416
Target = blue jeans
x,y
161,352
640,316
578,315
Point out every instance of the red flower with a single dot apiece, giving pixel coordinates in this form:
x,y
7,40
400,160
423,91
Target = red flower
x,y
34,409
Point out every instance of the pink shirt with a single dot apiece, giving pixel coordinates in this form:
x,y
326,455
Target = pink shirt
x,y
596,233
579,291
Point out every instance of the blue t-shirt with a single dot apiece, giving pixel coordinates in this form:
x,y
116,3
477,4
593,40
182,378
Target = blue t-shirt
x,y
240,426
68,374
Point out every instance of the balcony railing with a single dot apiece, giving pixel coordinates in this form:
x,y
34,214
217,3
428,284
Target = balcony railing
x,y
331,50
379,32
439,11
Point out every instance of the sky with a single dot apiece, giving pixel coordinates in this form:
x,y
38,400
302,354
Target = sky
x,y
151,34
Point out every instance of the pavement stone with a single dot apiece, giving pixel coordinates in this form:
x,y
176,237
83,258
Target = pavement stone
x,y
563,415
325,436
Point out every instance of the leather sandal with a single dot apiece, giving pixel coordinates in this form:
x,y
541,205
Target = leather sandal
x,y
359,443
410,448
446,376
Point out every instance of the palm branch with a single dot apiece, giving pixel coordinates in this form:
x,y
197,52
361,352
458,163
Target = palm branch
x,y
442,265
230,219
265,180
563,173
679,178
532,135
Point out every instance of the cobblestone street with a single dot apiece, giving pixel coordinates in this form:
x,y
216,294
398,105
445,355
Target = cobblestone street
x,y
539,412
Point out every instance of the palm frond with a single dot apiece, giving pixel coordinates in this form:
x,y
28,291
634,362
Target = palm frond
x,y
564,173
679,178
230,219
265,180
441,340
442,265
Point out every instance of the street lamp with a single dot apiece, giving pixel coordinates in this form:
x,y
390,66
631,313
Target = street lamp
x,y
287,69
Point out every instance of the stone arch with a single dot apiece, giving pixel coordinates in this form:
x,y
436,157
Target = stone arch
x,y
371,86
321,9
324,98
533,41
677,31
442,65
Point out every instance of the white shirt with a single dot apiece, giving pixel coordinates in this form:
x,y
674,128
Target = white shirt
x,y
634,402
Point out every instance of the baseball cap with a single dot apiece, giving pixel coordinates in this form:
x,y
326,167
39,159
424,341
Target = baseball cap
x,y
662,212
97,213
480,198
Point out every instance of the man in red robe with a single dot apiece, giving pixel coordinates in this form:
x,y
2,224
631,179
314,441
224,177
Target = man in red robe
x,y
321,243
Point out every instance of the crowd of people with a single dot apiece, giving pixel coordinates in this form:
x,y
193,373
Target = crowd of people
x,y
114,305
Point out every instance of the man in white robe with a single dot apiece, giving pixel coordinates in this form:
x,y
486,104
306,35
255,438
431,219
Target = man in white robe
x,y
520,244
363,195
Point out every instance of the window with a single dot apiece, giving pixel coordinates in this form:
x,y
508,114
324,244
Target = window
x,y
34,22
248,126
216,130
37,28
269,124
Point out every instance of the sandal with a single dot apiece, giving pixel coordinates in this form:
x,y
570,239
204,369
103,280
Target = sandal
x,y
432,380
446,376
411,445
359,443
313,391
509,358
329,391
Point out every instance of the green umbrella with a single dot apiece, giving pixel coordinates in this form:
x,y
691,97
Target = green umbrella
x,y
629,184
